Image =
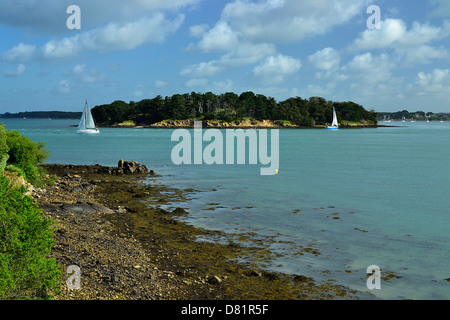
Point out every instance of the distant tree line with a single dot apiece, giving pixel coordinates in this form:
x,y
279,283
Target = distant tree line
x,y
418,115
43,115
231,107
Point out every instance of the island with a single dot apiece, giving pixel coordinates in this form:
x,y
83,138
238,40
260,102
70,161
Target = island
x,y
229,110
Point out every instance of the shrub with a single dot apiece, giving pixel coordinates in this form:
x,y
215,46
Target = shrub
x,y
25,154
25,242
3,149
3,160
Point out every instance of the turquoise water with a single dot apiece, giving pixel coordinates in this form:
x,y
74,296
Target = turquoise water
x,y
387,190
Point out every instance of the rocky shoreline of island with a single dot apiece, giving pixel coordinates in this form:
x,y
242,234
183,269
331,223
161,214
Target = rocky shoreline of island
x,y
247,124
108,221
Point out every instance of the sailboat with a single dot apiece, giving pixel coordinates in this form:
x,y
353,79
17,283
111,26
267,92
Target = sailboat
x,y
87,123
335,124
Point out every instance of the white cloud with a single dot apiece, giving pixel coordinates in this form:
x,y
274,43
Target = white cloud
x,y
19,54
219,38
49,16
20,70
202,69
327,59
242,55
82,74
435,80
275,68
370,70
114,37
65,48
423,54
198,30
196,83
395,34
411,46
247,54
288,20
248,30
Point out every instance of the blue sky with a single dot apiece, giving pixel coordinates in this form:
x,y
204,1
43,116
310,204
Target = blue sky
x,y
137,49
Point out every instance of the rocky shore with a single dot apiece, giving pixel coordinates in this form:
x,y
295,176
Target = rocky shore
x,y
109,224
247,124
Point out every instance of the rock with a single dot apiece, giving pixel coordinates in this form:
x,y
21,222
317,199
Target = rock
x,y
214,280
254,273
179,211
300,278
121,210
124,167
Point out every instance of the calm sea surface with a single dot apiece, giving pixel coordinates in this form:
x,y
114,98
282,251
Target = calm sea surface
x,y
358,197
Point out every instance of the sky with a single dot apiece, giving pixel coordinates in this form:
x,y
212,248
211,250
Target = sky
x,y
138,49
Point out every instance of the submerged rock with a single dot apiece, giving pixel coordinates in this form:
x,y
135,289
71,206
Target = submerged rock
x,y
179,211
125,167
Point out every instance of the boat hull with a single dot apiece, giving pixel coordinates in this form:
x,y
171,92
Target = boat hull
x,y
89,131
333,128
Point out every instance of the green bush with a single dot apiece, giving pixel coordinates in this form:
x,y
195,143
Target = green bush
x,y
3,160
26,239
25,154
3,149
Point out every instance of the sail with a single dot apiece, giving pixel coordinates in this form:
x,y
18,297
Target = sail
x,y
82,124
87,121
90,124
335,120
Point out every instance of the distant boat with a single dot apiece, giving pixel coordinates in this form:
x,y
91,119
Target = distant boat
x,y
403,119
87,123
335,124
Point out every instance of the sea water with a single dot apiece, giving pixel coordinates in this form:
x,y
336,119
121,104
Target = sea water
x,y
341,202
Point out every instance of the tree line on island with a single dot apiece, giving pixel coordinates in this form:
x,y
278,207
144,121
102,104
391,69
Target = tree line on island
x,y
42,115
232,108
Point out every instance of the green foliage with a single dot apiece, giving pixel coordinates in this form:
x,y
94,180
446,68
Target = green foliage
x,y
26,154
3,149
230,107
3,145
26,239
3,160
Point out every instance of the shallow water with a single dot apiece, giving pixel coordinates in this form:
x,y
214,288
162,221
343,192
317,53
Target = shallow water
x,y
354,197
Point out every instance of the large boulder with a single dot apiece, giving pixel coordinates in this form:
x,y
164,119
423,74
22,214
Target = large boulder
x,y
125,167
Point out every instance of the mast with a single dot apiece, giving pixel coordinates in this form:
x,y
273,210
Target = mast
x,y
85,115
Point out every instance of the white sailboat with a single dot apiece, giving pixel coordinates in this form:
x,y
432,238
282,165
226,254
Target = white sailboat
x,y
87,123
335,124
